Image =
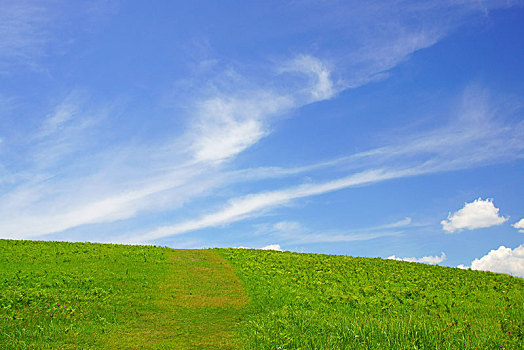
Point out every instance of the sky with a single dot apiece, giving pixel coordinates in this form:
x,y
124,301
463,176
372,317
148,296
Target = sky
x,y
391,129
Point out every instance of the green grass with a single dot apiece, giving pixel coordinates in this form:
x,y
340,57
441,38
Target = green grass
x,y
56,295
309,301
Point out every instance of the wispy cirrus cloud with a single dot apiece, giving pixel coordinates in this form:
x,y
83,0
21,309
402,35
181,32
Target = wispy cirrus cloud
x,y
239,117
477,133
314,77
115,189
467,142
255,204
60,195
64,112
293,232
374,37
227,125
28,28
69,184
23,33
231,115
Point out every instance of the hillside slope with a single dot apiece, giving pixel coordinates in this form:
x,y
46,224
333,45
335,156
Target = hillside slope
x,y
56,295
312,301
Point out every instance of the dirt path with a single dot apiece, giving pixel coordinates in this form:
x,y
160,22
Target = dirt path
x,y
201,301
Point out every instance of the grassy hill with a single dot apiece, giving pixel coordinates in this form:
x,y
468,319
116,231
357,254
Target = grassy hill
x,y
312,301
57,295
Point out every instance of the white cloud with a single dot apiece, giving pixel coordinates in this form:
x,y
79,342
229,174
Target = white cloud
x,y
236,114
477,214
243,207
465,143
295,233
115,178
63,112
519,225
268,247
337,236
21,215
296,227
426,259
272,247
475,136
227,125
319,87
400,223
22,33
373,38
503,260
126,180
28,28
287,226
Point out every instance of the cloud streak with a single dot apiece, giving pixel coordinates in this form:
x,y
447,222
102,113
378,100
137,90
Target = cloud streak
x,y
294,233
49,203
226,125
22,33
291,232
243,207
466,143
222,126
64,180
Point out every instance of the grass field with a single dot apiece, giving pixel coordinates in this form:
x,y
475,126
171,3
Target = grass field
x,y
56,295
92,296
310,301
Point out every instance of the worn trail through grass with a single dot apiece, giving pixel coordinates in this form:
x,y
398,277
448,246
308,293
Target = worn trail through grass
x,y
199,306
60,295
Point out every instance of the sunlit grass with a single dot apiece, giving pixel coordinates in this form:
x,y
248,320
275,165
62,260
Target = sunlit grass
x,y
58,295
309,301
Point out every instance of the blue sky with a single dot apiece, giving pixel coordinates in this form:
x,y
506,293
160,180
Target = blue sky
x,y
381,129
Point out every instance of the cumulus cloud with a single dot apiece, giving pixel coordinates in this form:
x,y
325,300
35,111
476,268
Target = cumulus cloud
x,y
425,259
268,247
477,214
503,260
272,247
519,225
